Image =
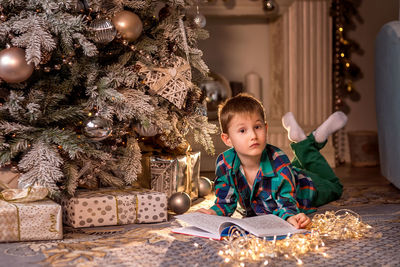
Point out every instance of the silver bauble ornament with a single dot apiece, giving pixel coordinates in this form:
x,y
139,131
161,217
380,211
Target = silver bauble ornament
x,y
102,30
13,66
205,186
270,7
199,20
97,128
179,202
128,24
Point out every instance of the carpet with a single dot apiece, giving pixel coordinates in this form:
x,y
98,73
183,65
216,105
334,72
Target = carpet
x,y
155,245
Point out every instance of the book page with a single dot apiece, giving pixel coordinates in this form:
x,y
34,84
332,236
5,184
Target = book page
x,y
267,225
261,226
206,222
194,231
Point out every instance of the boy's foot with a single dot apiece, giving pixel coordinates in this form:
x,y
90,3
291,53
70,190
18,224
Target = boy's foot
x,y
295,133
335,121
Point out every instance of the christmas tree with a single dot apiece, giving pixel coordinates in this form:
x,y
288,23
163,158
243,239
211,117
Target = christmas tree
x,y
82,82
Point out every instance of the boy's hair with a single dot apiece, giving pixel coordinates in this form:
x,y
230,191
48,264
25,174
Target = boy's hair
x,y
240,104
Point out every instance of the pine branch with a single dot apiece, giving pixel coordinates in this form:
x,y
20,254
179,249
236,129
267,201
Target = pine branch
x,y
3,144
134,4
92,152
137,4
197,61
135,104
65,114
41,166
65,26
161,118
101,97
54,6
33,112
71,177
92,74
5,29
14,127
14,105
118,75
89,49
34,36
181,3
5,157
202,131
130,162
64,138
109,179
18,145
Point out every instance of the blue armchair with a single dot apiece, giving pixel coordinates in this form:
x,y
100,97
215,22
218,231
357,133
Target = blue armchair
x,y
387,86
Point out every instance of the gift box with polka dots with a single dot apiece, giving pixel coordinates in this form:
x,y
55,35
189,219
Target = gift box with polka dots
x,y
114,207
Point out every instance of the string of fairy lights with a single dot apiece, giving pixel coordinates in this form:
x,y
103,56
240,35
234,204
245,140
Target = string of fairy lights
x,y
345,72
242,249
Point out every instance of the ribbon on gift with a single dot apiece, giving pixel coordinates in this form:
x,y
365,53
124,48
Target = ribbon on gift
x,y
188,185
10,196
28,194
3,185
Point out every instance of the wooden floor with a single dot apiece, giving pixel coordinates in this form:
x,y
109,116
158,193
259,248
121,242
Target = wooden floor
x,y
352,176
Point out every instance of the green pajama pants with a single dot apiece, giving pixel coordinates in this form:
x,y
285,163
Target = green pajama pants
x,y
309,159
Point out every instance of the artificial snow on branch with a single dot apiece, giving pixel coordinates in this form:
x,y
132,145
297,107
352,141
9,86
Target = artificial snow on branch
x,y
150,82
130,162
34,36
41,166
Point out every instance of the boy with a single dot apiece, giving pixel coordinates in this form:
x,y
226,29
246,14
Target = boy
x,y
260,176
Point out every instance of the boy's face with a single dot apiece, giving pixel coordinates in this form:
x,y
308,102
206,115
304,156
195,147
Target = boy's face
x,y
247,133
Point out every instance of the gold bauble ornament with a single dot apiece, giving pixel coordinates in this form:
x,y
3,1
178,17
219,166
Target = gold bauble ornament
x,y
128,24
13,66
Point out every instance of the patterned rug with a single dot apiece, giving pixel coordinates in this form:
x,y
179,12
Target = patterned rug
x,y
155,245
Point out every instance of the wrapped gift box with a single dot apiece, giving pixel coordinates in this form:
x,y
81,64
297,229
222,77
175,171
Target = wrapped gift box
x,y
8,177
39,220
114,207
172,173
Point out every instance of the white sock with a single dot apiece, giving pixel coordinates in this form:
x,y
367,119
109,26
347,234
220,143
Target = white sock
x,y
335,121
295,133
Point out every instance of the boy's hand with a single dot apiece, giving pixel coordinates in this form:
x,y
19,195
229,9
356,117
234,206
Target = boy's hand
x,y
299,220
209,211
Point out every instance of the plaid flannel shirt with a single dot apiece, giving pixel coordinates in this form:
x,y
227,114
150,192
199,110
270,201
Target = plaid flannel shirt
x,y
279,187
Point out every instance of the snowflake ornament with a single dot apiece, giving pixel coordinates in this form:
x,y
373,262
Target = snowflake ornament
x,y
171,83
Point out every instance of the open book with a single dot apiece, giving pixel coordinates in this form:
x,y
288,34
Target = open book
x,y
212,226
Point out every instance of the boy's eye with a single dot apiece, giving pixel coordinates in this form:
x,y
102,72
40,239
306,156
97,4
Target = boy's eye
x,y
241,131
